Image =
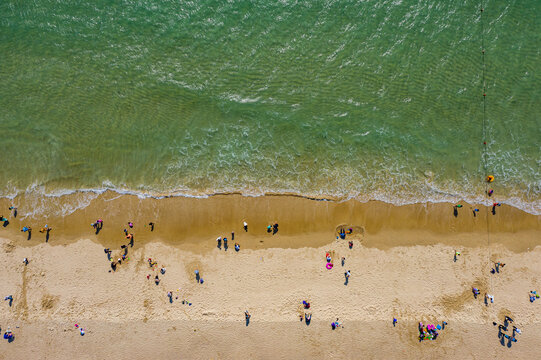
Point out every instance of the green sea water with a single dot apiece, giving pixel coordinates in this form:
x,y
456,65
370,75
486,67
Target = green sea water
x,y
366,99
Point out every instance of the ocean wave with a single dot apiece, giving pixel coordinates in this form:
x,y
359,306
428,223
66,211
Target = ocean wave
x,y
44,202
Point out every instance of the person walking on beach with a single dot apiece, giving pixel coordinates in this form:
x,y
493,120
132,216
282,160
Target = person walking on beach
x,y
245,226
4,220
247,317
232,235
10,299
151,224
25,261
225,244
170,296
394,322
219,242
475,211
457,254
343,260
347,274
494,207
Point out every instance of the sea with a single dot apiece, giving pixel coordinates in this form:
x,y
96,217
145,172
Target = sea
x,y
403,101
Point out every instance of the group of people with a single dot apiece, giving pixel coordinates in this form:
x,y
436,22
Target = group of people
x,y
306,316
154,265
429,332
225,241
503,328
272,228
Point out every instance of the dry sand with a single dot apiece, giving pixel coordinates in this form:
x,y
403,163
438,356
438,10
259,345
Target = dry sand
x,y
401,264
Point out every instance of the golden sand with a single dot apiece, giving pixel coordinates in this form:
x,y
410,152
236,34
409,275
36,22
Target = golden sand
x,y
401,263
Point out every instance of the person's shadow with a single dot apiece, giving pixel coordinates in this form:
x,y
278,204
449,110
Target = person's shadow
x,y
10,302
11,339
347,280
455,211
6,223
98,229
47,236
29,235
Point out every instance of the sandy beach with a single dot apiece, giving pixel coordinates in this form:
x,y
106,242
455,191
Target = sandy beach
x,y
401,266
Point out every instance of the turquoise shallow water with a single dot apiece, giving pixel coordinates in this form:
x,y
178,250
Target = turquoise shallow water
x,y
366,99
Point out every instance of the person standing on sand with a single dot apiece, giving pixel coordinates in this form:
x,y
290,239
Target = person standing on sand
x,y
14,209
46,229
457,254
219,242
343,260
25,261
247,317
29,229
151,224
394,322
245,226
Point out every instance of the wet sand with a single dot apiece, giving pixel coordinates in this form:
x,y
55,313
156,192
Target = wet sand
x,y
401,263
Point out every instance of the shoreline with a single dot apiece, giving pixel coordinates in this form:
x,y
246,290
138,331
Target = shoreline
x,y
532,207
197,222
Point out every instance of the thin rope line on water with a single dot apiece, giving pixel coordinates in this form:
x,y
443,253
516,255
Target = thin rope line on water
x,y
485,145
